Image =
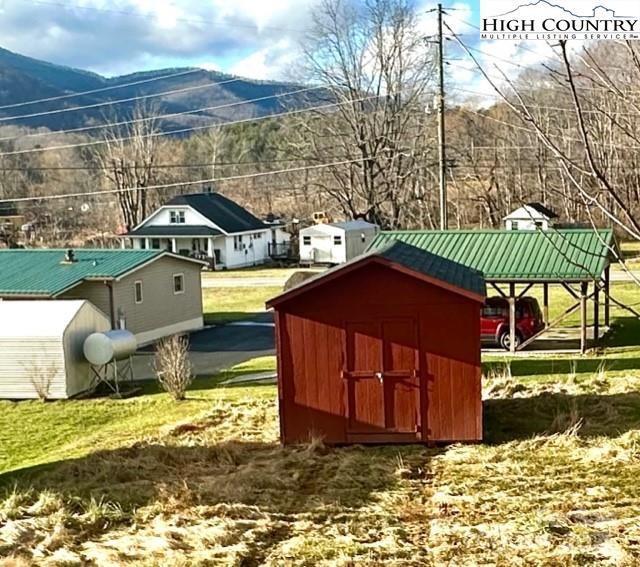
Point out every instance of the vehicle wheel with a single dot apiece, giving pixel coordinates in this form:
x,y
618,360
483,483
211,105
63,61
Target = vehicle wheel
x,y
505,340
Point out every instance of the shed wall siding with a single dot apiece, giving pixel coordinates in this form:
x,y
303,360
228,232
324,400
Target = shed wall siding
x,y
23,361
87,321
311,340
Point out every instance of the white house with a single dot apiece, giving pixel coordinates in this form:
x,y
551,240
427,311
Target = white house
x,y
41,347
335,243
531,216
206,226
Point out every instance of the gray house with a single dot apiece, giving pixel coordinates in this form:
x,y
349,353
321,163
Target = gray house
x,y
152,293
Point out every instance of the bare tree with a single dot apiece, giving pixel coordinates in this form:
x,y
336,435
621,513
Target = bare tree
x,y
378,68
127,160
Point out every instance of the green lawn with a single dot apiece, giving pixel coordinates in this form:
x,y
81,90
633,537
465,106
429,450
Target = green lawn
x,y
554,483
222,305
33,432
255,272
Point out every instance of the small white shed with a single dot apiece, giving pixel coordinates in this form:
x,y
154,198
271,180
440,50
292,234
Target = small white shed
x,y
531,216
335,243
41,347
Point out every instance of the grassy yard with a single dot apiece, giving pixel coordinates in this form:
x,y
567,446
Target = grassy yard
x,y
34,433
256,272
223,305
205,482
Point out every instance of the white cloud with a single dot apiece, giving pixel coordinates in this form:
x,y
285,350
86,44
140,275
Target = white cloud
x,y
116,36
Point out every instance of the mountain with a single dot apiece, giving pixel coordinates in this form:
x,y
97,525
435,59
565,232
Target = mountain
x,y
25,79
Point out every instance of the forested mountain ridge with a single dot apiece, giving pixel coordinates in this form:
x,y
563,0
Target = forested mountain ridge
x,y
24,79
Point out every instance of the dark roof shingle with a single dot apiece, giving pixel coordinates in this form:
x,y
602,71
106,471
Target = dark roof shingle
x,y
226,214
174,230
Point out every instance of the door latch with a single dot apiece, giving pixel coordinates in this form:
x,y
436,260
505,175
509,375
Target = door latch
x,y
378,375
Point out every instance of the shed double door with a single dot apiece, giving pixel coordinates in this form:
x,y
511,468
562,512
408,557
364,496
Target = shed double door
x,y
382,381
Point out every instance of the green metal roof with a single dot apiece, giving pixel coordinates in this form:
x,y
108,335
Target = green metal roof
x,y
513,255
43,272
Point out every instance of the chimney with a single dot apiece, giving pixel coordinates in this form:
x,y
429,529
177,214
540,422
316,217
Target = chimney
x,y
69,257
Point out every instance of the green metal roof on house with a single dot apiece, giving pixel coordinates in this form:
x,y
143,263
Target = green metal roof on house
x,y
510,256
43,273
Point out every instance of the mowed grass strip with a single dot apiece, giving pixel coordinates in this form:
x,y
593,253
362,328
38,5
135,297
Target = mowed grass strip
x,y
224,305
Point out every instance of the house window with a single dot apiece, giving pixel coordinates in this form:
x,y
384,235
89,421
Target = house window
x,y
237,242
306,240
337,240
515,225
137,286
177,217
178,283
155,243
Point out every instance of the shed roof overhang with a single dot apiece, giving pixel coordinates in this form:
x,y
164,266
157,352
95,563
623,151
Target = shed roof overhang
x,y
526,257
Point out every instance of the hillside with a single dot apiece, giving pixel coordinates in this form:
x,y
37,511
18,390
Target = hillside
x,y
24,79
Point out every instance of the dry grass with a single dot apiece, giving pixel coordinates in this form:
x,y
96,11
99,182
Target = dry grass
x,y
556,484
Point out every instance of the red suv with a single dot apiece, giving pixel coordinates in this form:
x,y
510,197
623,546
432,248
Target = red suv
x,y
494,324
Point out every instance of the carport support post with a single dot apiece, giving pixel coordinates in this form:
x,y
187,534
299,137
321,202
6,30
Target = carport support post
x,y
512,317
607,300
596,314
545,304
584,288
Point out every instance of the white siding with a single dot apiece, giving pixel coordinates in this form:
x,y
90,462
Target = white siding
x,y
41,341
322,248
162,217
255,251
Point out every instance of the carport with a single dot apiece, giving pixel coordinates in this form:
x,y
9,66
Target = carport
x,y
514,262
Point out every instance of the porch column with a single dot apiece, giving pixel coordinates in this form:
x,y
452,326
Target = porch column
x,y
607,300
596,314
174,246
147,243
584,288
512,317
123,243
545,301
210,247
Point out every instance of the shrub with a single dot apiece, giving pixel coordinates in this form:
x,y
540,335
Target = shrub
x,y
173,367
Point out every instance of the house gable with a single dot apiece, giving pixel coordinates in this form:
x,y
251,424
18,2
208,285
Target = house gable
x,y
162,217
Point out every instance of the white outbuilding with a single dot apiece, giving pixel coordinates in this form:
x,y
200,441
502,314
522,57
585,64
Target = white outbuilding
x,y
41,347
532,216
335,243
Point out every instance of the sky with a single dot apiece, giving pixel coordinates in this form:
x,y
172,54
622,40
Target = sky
x,y
252,38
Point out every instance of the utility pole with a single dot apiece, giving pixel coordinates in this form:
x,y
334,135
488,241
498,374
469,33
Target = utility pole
x,y
444,224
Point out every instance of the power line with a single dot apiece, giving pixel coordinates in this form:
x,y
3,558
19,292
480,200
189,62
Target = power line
x,y
102,89
120,101
160,116
190,129
181,183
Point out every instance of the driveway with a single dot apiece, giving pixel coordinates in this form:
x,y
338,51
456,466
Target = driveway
x,y
216,348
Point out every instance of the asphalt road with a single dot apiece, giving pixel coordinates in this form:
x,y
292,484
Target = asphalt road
x,y
220,347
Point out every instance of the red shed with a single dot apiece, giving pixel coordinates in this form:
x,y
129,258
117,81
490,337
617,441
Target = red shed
x,y
383,349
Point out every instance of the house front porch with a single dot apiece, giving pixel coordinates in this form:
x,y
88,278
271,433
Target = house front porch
x,y
210,249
